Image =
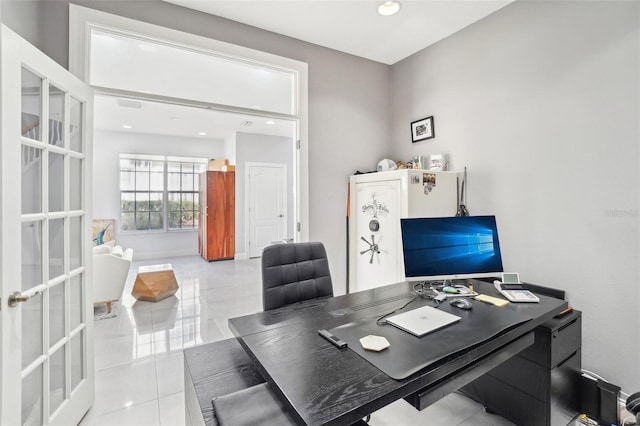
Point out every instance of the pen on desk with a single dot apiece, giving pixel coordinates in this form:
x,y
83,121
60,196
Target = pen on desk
x,y
334,340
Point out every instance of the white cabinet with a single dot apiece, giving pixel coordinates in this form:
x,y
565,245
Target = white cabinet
x,y
377,203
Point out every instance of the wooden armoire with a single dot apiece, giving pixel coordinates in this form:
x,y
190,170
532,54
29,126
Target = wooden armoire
x,y
216,232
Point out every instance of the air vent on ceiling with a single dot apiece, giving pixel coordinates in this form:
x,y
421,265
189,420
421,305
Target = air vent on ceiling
x,y
130,103
246,123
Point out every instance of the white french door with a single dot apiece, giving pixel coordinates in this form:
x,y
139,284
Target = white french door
x,y
267,193
46,315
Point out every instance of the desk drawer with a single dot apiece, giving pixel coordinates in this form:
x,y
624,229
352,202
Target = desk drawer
x,y
556,340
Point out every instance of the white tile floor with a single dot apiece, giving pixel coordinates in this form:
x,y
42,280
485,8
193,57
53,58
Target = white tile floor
x,y
139,361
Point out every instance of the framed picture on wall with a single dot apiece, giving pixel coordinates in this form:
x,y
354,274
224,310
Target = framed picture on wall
x,y
422,129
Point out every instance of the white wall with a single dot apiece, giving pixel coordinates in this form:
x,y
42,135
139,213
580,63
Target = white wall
x,y
260,149
541,101
230,148
106,187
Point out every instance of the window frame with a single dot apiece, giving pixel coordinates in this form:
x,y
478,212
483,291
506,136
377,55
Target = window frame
x,y
197,166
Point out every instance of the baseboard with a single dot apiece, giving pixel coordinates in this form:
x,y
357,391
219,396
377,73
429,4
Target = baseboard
x,y
163,254
177,253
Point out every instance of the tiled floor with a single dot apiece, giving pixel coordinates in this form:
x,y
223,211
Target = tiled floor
x,y
139,361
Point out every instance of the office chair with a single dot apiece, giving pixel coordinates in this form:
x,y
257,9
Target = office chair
x,y
293,273
633,405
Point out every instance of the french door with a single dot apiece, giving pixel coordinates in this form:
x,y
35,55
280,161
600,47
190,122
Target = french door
x,y
46,315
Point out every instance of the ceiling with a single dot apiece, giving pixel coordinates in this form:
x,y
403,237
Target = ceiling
x,y
354,26
133,116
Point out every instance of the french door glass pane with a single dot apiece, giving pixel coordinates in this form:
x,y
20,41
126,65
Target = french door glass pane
x,y
75,306
56,115
31,105
57,373
75,242
31,180
56,182
32,398
56,248
77,363
31,255
75,129
56,314
31,330
75,184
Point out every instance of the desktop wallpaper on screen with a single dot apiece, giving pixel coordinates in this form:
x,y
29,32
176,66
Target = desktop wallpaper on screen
x,y
451,246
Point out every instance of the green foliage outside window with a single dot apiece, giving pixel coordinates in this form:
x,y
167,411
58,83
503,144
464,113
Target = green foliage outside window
x,y
158,195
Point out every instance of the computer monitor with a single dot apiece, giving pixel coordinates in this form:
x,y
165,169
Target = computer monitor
x,y
441,248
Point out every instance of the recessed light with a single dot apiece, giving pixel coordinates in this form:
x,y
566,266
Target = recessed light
x,y
126,126
202,133
271,122
389,8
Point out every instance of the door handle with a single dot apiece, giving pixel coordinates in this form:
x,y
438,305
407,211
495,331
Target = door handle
x,y
16,297
280,215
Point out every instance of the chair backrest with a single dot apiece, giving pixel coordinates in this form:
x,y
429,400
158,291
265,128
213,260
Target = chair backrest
x,y
294,272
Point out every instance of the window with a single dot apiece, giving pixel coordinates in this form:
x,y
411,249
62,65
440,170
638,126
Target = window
x,y
159,193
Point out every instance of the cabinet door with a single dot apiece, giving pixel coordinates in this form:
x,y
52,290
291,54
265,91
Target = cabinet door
x,y
376,250
220,215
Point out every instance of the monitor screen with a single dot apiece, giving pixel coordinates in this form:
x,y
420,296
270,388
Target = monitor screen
x,y
451,247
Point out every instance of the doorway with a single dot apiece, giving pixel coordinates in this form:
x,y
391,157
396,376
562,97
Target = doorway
x,y
88,27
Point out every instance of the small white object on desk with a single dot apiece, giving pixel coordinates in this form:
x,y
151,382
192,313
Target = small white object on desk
x,y
374,343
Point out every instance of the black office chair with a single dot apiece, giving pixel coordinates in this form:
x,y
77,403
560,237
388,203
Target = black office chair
x,y
293,273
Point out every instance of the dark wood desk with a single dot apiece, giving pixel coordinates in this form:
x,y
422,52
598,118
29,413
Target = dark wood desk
x,y
325,386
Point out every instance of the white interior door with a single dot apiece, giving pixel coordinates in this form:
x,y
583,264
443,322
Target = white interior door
x,y
46,312
267,205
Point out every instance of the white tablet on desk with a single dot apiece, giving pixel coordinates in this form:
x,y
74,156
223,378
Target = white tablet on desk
x,y
423,320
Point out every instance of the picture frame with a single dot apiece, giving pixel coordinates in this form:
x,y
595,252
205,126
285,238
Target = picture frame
x,y
438,162
422,129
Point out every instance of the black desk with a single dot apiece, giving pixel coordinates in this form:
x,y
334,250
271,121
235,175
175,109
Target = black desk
x,y
323,385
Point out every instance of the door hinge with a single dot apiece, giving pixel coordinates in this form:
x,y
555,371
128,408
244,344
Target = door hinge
x,y
298,226
298,143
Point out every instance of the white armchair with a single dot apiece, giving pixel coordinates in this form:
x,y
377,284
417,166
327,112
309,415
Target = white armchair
x,y
110,270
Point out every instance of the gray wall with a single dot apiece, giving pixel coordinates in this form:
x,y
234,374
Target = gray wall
x,y
348,98
260,149
107,146
541,102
